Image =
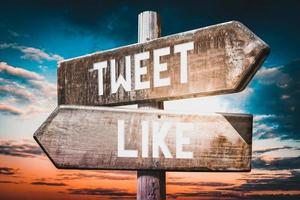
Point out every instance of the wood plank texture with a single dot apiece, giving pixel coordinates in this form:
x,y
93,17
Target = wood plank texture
x,y
82,137
224,59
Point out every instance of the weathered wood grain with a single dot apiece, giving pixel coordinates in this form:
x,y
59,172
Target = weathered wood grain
x,y
81,137
224,59
151,185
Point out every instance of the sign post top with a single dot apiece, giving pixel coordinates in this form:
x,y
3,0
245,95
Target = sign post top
x,y
149,26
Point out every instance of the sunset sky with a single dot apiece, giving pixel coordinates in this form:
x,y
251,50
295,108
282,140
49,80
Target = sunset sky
x,y
35,35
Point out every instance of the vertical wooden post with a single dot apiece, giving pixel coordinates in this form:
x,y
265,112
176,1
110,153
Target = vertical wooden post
x,y
151,185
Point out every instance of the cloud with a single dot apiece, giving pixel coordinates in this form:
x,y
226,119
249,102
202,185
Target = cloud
x,y
28,95
273,75
101,192
276,102
16,71
43,67
274,196
101,175
7,109
13,33
48,183
48,89
39,55
10,182
31,53
283,97
272,149
276,163
199,184
17,91
19,149
265,130
267,72
258,118
7,45
206,195
287,183
7,171
259,184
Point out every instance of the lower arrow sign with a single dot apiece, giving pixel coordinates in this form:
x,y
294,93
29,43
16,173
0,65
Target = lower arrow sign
x,y
80,137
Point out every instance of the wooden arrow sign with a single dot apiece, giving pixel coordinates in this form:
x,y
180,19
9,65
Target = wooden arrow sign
x,y
207,61
81,137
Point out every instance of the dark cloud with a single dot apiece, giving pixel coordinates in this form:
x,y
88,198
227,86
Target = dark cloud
x,y
101,192
199,184
254,184
123,197
100,175
7,171
12,148
48,183
10,182
206,195
263,174
274,196
277,163
272,149
286,183
231,196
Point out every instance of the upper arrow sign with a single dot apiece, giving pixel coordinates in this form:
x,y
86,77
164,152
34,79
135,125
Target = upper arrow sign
x,y
214,60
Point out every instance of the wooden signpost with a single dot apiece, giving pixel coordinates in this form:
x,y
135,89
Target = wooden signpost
x,y
219,59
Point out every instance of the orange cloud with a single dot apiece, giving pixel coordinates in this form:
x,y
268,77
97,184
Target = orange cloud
x,y
10,109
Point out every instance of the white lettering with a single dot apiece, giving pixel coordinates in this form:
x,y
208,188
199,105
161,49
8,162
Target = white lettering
x,y
180,140
100,66
159,139
182,49
121,143
159,133
159,67
139,71
121,80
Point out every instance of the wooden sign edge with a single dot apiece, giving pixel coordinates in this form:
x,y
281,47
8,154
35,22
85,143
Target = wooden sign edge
x,y
38,131
197,169
254,66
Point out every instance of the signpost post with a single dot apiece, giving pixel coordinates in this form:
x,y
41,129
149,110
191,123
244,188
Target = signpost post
x,y
150,184
80,134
